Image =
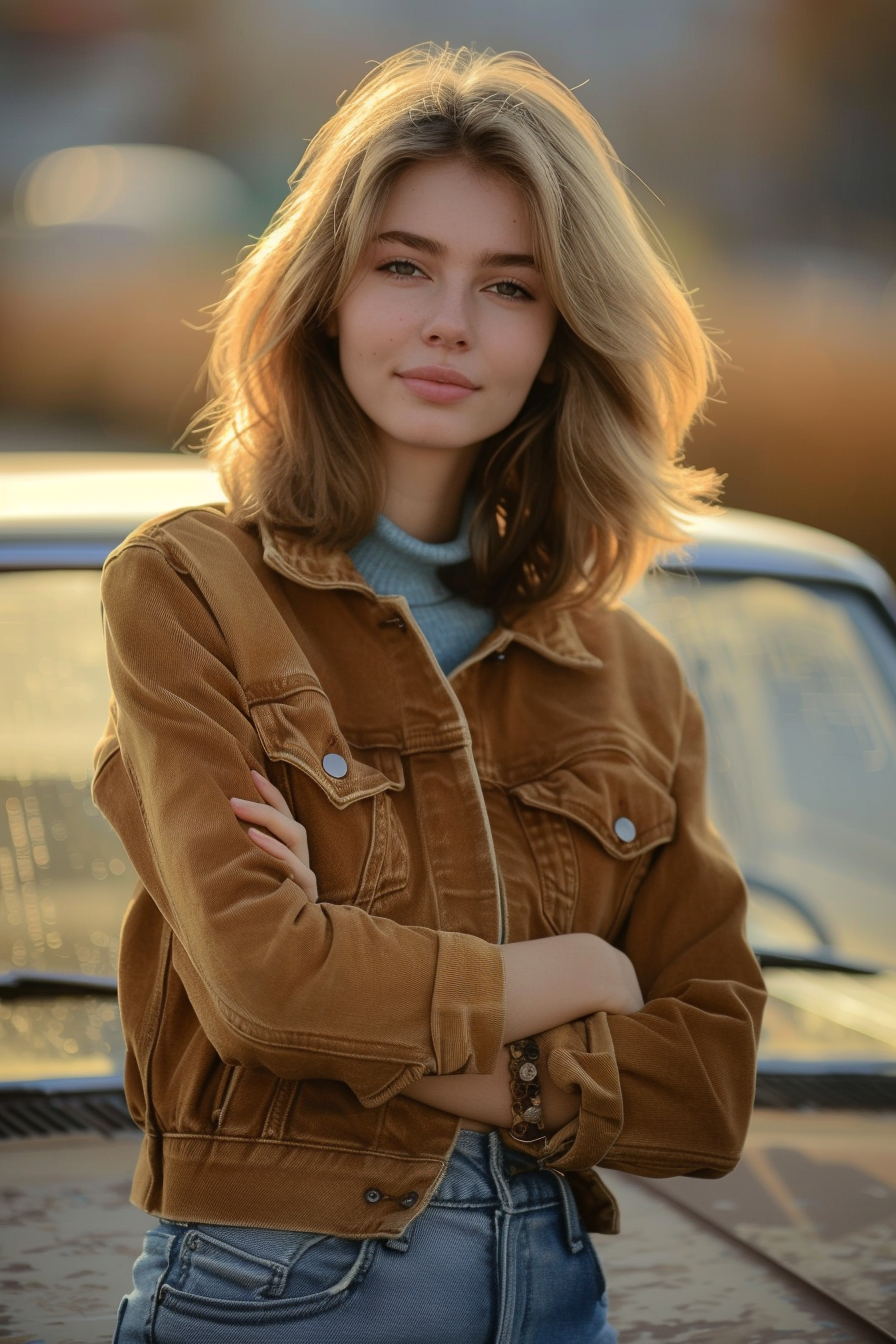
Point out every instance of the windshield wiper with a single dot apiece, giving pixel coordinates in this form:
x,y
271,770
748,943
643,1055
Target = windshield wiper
x,y
797,903
29,984
822,959
824,956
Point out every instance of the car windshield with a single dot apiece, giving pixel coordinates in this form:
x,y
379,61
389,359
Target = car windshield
x,y
798,684
64,875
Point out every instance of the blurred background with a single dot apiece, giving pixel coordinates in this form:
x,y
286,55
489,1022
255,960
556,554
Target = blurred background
x,y
146,141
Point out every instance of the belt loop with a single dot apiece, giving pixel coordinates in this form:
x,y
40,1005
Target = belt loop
x,y
496,1157
403,1241
570,1213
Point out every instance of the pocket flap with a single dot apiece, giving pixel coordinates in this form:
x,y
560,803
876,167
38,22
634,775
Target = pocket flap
x,y
612,795
302,730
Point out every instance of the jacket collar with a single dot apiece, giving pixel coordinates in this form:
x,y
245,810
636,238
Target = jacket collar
x,y
547,629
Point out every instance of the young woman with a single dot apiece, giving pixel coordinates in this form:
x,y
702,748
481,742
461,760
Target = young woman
x,y
431,920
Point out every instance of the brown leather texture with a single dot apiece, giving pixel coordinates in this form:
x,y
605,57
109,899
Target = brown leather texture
x,y
554,783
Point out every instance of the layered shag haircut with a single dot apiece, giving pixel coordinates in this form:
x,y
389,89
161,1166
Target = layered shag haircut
x,y
580,491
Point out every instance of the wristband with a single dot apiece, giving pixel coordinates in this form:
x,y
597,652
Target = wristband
x,y
525,1094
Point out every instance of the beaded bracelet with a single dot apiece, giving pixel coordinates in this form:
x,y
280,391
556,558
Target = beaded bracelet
x,y
525,1103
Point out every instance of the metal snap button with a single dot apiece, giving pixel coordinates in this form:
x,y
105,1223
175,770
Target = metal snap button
x,y
409,1200
625,829
373,1196
335,765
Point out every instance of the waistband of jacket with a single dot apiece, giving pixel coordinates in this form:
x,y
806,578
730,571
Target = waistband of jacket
x,y
256,1182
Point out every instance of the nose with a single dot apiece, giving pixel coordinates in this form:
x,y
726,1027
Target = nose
x,y
448,322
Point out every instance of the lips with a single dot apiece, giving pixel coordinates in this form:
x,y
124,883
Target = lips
x,y
437,383
438,373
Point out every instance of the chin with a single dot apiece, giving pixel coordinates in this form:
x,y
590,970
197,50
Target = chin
x,y
436,438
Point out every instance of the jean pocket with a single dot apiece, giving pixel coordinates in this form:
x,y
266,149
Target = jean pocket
x,y
221,1279
214,1266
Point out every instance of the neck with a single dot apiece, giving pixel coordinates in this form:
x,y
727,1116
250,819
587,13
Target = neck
x,y
425,489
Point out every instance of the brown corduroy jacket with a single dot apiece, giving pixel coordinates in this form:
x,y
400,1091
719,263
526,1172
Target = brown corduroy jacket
x,y
554,783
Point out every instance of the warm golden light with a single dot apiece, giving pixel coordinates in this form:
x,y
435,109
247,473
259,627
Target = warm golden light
x,y
72,186
145,187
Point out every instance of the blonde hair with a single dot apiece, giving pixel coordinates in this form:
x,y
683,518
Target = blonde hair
x,y
576,495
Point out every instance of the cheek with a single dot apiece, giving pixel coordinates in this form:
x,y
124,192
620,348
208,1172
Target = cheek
x,y
522,355
368,327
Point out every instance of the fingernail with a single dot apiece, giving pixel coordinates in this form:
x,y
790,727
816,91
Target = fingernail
x,y
239,800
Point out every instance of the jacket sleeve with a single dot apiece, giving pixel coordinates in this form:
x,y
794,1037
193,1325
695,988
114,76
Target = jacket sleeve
x,y
668,1091
305,990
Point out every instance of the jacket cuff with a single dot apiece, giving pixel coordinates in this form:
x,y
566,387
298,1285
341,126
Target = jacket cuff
x,y
579,1057
467,1032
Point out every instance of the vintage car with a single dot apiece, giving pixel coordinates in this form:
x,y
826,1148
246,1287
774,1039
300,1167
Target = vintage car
x,y
789,637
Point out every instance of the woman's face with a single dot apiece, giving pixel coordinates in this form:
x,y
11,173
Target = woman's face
x,y
447,321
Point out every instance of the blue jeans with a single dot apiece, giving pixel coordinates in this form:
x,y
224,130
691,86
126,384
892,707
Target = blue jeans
x,y
499,1256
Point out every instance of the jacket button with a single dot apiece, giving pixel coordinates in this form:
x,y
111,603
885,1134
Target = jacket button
x,y
625,829
335,765
409,1200
373,1196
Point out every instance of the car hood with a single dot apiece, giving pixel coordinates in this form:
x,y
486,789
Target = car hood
x,y
815,1191
816,1194
61,1040
828,1021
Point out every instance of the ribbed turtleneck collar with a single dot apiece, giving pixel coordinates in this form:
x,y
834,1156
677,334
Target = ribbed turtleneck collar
x,y
392,561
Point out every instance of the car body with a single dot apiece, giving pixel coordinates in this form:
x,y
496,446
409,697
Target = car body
x,y
789,637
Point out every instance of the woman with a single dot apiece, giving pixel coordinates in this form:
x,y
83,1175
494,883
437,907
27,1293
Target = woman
x,y
430,917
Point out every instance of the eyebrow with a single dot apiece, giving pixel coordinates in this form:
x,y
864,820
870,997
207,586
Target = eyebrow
x,y
435,249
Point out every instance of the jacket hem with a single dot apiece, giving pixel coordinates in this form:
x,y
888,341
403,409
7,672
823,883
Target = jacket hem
x,y
291,1187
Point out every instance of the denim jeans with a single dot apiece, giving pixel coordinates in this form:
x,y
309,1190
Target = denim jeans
x,y
499,1256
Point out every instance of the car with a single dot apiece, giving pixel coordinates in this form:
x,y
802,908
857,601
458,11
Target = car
x,y
788,635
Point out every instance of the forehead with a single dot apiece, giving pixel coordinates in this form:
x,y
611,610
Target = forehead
x,y
467,208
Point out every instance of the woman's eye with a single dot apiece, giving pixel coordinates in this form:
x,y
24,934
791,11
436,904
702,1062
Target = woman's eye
x,y
404,270
509,289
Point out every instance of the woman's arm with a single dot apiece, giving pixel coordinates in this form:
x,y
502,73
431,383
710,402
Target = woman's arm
x,y
486,1096
548,981
277,980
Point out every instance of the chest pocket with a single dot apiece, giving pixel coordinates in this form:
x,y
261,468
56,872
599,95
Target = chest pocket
x,y
592,824
340,795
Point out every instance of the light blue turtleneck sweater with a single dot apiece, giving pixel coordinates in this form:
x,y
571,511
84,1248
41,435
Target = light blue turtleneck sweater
x,y
393,562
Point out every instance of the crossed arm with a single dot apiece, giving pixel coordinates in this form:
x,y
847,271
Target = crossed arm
x,y
548,981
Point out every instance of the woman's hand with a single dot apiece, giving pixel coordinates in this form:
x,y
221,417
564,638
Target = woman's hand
x,y
553,980
283,836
